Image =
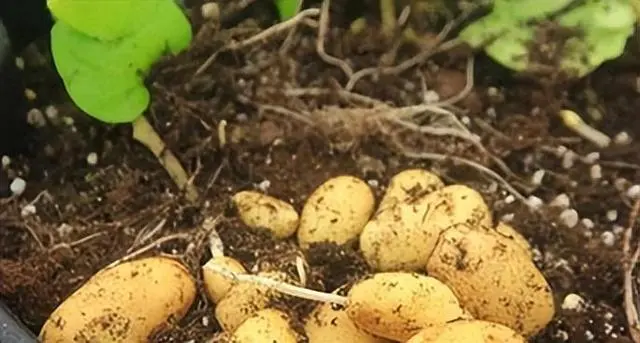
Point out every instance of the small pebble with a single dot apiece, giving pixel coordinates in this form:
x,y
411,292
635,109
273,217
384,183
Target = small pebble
x,y
622,138
561,201
92,159
507,218
264,185
608,238
28,210
612,215
618,229
573,302
465,120
211,11
569,159
431,97
6,161
587,223
30,94
589,335
68,121
534,202
595,172
561,150
51,112
569,217
373,183
633,192
620,184
591,158
20,63
18,185
35,118
537,177
509,199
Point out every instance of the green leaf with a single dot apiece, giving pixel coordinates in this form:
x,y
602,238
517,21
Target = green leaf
x,y
512,49
287,8
105,78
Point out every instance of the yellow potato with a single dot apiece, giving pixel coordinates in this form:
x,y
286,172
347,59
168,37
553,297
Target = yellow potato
x,y
266,326
127,303
217,285
398,305
260,211
510,232
243,300
409,185
494,278
468,331
336,211
403,237
329,324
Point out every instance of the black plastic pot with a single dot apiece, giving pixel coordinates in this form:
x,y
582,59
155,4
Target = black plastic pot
x,y
11,330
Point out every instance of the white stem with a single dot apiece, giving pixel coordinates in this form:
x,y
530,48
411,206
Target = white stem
x,y
280,286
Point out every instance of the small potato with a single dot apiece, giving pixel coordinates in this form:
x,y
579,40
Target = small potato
x,y
337,211
398,305
329,324
216,285
266,326
494,278
260,211
468,331
127,303
510,232
243,300
409,185
403,237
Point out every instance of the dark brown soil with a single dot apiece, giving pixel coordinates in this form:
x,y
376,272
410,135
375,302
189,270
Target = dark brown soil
x,y
89,216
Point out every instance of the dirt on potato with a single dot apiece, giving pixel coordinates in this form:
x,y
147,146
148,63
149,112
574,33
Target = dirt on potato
x,y
292,117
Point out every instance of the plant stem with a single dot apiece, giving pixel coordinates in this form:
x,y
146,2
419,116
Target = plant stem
x,y
144,133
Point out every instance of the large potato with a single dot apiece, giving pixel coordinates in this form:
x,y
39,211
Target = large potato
x,y
494,278
408,185
266,326
398,305
468,331
216,285
245,299
403,237
510,232
127,303
336,211
260,211
329,324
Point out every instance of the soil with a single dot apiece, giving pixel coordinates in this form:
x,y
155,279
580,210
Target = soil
x,y
289,128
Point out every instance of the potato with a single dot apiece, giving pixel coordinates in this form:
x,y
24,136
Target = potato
x,y
494,278
217,285
126,303
336,211
403,237
408,185
329,324
260,211
243,300
266,326
468,331
510,232
398,305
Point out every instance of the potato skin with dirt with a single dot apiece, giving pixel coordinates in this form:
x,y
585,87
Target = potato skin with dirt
x,y
336,211
329,324
259,210
397,305
494,278
403,237
126,303
468,331
244,300
266,326
216,285
408,185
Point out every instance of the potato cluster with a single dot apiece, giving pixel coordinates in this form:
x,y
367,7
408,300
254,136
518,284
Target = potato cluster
x,y
443,273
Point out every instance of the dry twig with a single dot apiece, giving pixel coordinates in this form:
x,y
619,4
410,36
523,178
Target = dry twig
x,y
629,263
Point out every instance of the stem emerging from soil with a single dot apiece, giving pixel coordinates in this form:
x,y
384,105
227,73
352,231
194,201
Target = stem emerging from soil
x,y
280,286
144,133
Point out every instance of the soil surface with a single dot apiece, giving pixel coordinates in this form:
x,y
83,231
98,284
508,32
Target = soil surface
x,y
290,125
